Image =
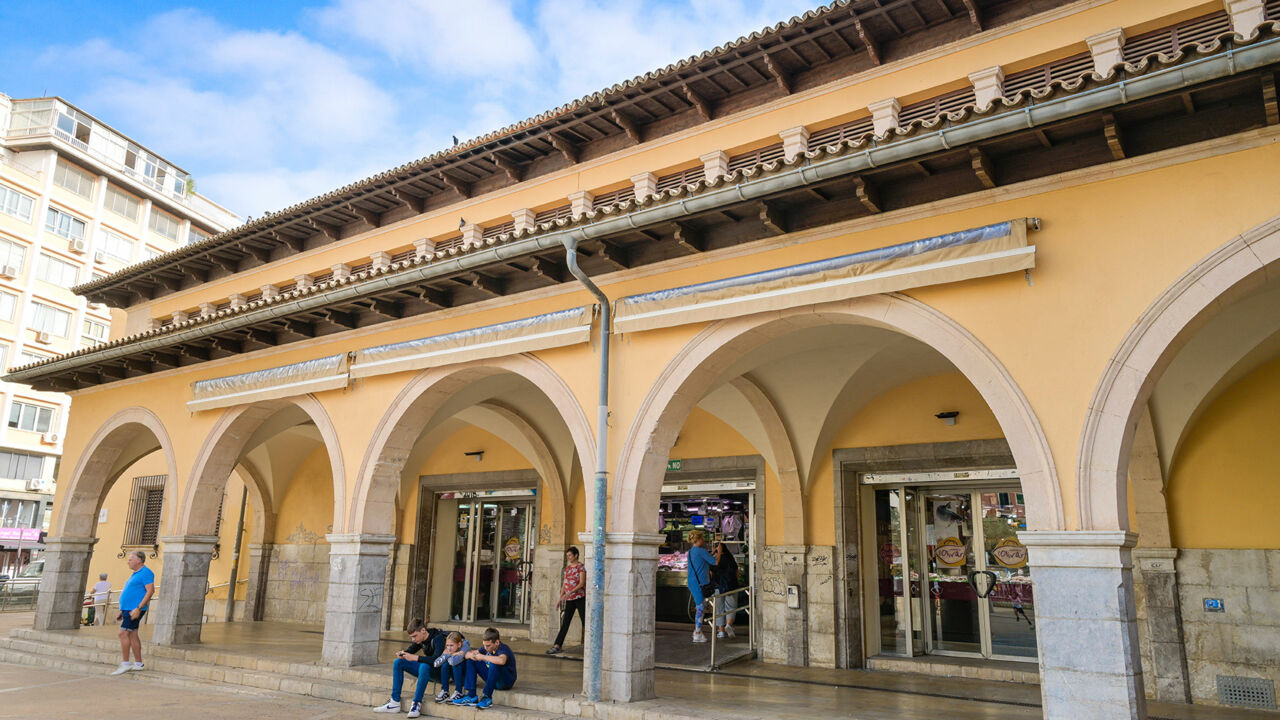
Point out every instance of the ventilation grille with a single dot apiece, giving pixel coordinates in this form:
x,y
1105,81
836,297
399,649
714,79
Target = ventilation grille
x,y
1250,692
1172,39
1040,77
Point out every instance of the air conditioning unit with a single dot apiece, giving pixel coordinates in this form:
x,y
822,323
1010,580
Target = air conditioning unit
x,y
36,485
76,245
49,438
43,337
9,272
100,257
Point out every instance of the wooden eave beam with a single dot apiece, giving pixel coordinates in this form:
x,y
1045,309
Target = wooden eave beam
x,y
374,219
1269,101
262,254
341,319
615,255
229,345
333,232
1115,139
415,203
460,187
624,121
690,238
199,353
111,372
565,147
982,167
548,269
137,366
439,299
773,217
779,73
868,195
261,336
873,50
298,327
386,308
487,284
975,13
507,166
699,103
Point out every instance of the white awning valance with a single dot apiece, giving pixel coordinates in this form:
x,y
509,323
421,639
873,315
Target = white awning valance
x,y
978,252
326,373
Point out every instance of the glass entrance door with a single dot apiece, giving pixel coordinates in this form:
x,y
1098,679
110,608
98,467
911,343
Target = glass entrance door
x,y
952,577
493,557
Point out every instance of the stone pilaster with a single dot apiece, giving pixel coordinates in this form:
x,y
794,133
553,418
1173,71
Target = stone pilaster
x,y
1085,624
381,260
884,114
544,588
1159,577
522,219
423,248
62,586
1246,15
795,141
472,235
353,607
784,632
178,608
988,85
580,202
1107,49
820,605
646,184
715,164
255,592
630,596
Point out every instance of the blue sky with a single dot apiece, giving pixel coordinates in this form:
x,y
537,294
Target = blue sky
x,y
269,103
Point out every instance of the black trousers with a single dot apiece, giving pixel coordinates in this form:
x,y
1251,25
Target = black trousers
x,y
580,605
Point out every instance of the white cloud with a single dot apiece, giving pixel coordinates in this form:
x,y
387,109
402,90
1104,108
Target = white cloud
x,y
475,38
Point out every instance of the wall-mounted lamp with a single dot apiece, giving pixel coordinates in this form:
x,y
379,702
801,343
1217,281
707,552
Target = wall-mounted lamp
x,y
477,454
948,417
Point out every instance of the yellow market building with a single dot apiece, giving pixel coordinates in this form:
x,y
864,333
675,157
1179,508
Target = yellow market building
x,y
955,321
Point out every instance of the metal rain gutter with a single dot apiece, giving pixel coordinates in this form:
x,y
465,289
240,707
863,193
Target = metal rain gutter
x,y
1233,61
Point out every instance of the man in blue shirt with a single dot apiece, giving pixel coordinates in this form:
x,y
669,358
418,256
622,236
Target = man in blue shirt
x,y
699,580
496,666
134,598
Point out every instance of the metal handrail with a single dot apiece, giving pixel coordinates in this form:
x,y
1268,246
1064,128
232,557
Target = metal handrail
x,y
714,615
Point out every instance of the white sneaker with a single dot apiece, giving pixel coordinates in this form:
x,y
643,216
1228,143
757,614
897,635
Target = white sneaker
x,y
138,666
415,710
124,668
720,634
392,706
699,637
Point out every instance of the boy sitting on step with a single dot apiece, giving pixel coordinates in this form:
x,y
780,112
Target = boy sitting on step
x,y
495,666
417,660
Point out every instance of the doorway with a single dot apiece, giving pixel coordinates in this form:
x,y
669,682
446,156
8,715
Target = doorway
x,y
950,576
484,544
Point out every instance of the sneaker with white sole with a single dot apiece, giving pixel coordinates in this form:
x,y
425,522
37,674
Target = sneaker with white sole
x,y
415,710
138,666
392,706
124,668
728,630
442,696
699,637
455,697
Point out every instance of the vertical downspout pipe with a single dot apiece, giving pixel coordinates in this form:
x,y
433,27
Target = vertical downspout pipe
x,y
595,616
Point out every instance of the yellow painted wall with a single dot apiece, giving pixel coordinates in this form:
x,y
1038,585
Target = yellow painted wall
x,y
304,514
1222,488
901,416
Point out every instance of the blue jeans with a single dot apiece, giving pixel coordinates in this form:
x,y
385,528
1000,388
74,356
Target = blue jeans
x,y
495,677
421,671
457,672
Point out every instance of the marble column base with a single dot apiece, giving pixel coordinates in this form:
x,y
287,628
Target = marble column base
x,y
353,606
62,586
178,609
630,599
255,592
1086,627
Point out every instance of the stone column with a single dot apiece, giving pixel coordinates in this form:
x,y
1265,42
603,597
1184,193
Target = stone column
x,y
178,608
62,586
255,592
1159,579
630,599
784,632
544,589
1085,624
353,607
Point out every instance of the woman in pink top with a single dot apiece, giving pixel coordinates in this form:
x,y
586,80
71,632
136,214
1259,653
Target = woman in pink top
x,y
573,596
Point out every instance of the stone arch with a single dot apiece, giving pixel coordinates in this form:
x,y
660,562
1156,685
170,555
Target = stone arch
x,y
222,451
540,455
1218,279
379,476
784,458
121,441
695,368
264,516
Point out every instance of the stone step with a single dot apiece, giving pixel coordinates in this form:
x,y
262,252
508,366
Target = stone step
x,y
215,669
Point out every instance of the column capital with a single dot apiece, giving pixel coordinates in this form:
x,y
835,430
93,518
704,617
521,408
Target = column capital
x,y
1080,548
580,202
646,184
715,164
269,291
523,219
625,538
66,543
1156,560
1246,15
189,543
988,85
472,235
341,271
359,543
380,259
1107,49
795,141
179,317
237,300
425,247
302,282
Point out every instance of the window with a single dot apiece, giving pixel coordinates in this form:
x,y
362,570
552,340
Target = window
x,y
12,255
47,318
117,247
74,179
59,272
16,204
20,466
64,225
33,418
122,203
151,253
8,302
146,504
4,355
164,225
94,333
196,235
27,357
76,125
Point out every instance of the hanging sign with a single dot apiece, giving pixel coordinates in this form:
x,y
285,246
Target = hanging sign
x,y
1010,553
512,548
950,552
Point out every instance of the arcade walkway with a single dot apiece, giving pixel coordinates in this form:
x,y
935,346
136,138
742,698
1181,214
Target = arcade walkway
x,y
285,657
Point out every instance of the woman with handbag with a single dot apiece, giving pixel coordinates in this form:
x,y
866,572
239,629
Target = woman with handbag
x,y
726,578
